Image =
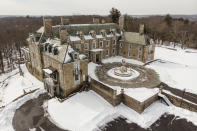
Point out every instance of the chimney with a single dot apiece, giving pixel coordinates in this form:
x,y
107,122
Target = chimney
x,y
141,29
96,20
122,22
63,36
47,26
65,21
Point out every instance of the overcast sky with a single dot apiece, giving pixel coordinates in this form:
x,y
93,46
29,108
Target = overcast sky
x,y
100,7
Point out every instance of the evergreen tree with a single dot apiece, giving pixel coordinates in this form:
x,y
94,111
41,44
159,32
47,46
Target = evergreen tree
x,y
168,19
114,15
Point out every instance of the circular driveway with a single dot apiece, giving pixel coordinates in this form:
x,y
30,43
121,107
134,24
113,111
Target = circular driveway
x,y
147,77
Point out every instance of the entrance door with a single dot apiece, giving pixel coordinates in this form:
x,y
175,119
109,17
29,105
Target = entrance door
x,y
97,58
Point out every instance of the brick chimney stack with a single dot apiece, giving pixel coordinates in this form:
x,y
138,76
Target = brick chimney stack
x,y
141,29
63,36
47,26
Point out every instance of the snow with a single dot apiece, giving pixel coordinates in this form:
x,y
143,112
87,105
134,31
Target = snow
x,y
178,69
88,37
119,59
86,111
74,38
168,92
96,50
48,71
99,36
49,81
179,56
141,94
68,58
82,56
16,85
91,73
7,114
165,98
135,74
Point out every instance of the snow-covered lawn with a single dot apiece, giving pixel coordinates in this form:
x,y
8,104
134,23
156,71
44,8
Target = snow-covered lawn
x,y
7,114
119,59
87,110
14,86
178,69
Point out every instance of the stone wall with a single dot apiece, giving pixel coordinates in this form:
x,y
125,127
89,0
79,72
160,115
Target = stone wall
x,y
136,105
181,103
106,92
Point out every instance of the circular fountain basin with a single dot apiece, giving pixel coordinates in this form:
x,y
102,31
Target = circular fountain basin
x,y
128,75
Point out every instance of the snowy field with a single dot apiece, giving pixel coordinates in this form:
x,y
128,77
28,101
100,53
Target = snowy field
x,y
87,111
14,87
178,68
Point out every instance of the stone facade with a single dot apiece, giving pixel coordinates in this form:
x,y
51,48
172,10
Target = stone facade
x,y
62,52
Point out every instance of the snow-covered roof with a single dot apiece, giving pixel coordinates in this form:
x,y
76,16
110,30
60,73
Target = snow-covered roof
x,y
67,57
96,50
41,30
88,37
82,56
48,71
141,94
74,38
110,35
99,36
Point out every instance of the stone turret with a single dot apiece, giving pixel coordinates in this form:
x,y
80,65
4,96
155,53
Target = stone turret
x,y
65,21
47,26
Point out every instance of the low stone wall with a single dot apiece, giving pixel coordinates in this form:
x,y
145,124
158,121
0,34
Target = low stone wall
x,y
106,92
181,103
136,105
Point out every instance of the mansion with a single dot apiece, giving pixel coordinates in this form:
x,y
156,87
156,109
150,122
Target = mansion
x,y
59,55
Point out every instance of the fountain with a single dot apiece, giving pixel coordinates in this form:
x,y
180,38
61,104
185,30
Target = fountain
x,y
123,72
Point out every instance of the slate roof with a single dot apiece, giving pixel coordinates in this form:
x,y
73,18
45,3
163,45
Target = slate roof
x,y
73,29
136,38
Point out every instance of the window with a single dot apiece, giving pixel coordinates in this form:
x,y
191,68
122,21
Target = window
x,y
101,43
94,45
75,56
86,46
129,54
76,72
113,51
107,52
107,43
140,48
120,45
114,42
139,56
78,46
129,46
120,52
